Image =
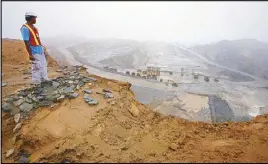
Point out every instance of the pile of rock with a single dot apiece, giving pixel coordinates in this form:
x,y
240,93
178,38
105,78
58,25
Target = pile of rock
x,y
90,100
107,94
46,93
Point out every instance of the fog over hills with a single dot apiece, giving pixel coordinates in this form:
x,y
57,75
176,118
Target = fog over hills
x,y
129,54
247,55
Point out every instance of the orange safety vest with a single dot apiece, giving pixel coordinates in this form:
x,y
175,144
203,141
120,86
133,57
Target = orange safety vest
x,y
34,36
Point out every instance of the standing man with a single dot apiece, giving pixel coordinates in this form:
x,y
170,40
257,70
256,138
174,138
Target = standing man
x,y
34,48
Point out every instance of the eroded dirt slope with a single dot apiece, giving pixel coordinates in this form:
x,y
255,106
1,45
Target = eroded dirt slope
x,y
122,130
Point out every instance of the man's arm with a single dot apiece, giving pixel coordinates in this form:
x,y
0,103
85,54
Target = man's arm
x,y
26,37
27,45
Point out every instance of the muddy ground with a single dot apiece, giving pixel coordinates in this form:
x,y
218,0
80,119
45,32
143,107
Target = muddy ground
x,y
119,129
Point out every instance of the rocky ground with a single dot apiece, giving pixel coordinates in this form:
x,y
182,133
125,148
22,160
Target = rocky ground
x,y
16,69
78,117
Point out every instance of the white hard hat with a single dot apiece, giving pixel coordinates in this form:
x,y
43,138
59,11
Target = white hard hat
x,y
30,14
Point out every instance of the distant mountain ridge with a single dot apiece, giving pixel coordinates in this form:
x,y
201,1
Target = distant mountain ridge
x,y
247,55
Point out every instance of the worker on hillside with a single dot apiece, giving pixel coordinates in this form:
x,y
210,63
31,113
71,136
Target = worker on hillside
x,y
34,48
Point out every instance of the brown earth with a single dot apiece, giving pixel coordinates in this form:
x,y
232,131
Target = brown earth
x,y
120,129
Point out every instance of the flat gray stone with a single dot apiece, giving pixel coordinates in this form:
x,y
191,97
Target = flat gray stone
x,y
35,105
88,79
35,99
53,98
57,95
28,100
55,84
60,90
23,93
19,102
7,107
81,83
30,96
38,91
73,95
9,100
61,98
45,103
108,95
68,90
41,98
87,98
94,102
88,91
43,94
46,83
25,107
72,87
90,100
16,98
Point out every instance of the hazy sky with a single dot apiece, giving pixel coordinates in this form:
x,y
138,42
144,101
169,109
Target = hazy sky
x,y
186,22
